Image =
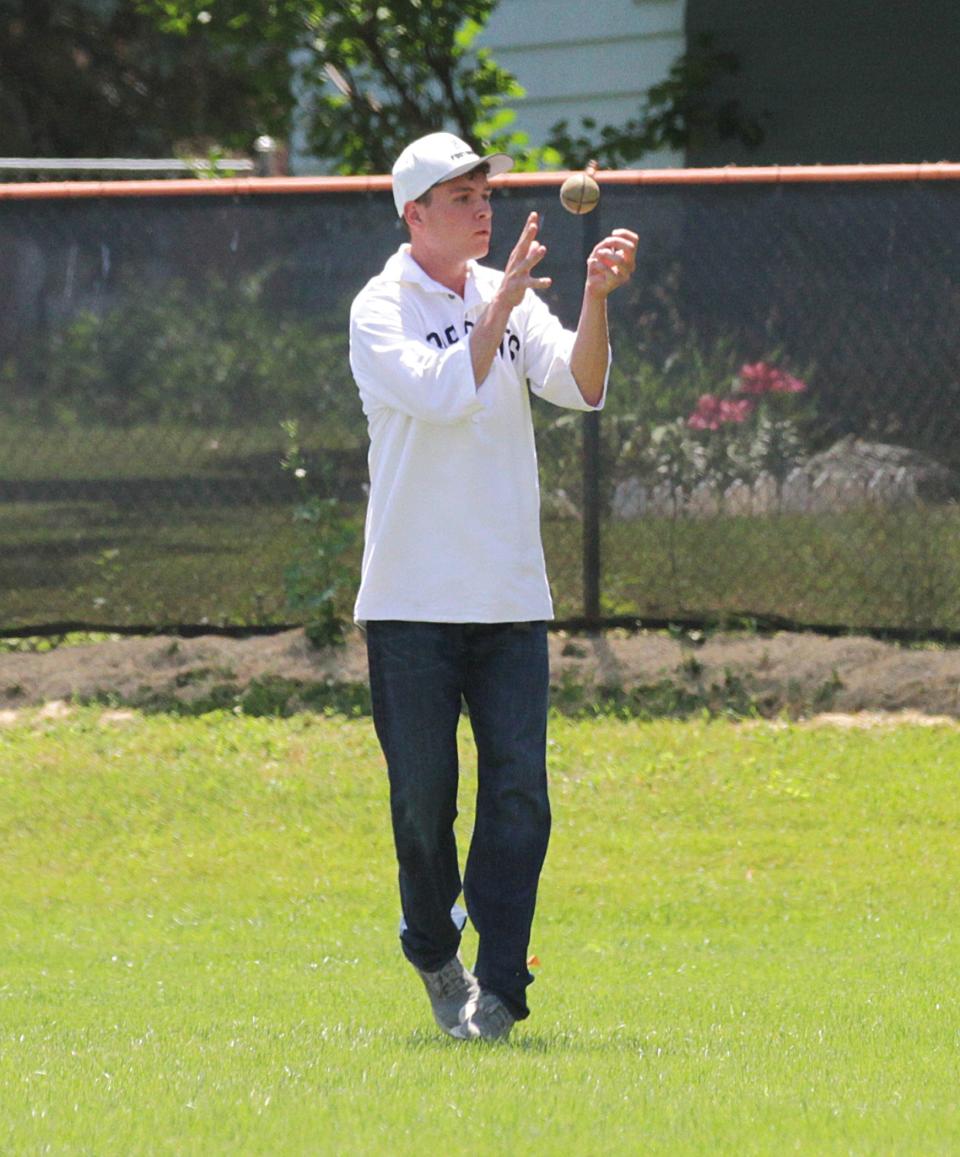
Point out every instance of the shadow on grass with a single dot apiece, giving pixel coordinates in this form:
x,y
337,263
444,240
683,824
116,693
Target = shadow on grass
x,y
537,1042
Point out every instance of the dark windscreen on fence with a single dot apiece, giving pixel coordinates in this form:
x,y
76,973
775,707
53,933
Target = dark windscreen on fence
x,y
181,438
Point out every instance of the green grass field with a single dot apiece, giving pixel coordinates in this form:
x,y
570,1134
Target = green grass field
x,y
747,936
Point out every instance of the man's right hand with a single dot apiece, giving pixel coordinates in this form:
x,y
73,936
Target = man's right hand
x,y
518,274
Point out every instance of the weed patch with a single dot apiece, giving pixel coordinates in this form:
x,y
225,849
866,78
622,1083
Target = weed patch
x,y
270,696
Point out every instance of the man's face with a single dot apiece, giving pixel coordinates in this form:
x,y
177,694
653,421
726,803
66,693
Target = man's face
x,y
458,218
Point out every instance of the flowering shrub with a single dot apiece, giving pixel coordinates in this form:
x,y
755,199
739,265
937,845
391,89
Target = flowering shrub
x,y
754,382
751,432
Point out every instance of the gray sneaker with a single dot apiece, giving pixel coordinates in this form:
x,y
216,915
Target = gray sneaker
x,y
453,992
490,1018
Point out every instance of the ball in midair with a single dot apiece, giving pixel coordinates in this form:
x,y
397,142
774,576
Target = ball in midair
x,y
580,193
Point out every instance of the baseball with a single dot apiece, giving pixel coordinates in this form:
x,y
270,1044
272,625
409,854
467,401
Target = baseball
x,y
581,193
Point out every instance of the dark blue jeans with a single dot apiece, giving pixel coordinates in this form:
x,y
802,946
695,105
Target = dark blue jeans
x,y
420,675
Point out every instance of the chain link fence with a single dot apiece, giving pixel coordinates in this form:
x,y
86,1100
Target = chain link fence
x,y
181,435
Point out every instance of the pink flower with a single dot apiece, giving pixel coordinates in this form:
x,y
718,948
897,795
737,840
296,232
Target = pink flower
x,y
762,378
712,412
788,384
735,410
707,414
756,378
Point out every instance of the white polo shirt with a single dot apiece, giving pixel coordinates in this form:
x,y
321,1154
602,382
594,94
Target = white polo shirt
x,y
453,519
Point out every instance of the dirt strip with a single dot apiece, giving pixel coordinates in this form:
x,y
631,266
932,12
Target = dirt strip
x,y
788,673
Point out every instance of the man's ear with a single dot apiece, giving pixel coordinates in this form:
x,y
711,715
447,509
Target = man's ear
x,y
412,214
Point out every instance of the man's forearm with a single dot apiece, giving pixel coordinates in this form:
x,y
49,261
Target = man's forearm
x,y
591,349
485,339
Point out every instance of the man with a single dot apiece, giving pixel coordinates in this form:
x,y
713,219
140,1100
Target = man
x,y
453,592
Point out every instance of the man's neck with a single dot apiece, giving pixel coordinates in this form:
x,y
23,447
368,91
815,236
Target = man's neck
x,y
451,274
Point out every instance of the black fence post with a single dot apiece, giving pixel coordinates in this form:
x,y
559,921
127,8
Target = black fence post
x,y
591,470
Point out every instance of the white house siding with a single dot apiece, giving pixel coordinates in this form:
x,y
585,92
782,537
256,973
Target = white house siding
x,y
578,60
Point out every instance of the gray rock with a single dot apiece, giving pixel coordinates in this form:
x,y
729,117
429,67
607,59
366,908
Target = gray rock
x,y
851,474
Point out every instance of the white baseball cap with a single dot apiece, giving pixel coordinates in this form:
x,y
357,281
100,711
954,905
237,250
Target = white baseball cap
x,y
435,158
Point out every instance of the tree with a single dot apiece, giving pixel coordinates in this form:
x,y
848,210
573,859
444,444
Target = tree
x,y
86,78
371,74
382,73
154,77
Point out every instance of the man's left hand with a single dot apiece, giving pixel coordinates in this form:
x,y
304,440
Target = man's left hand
x,y
612,262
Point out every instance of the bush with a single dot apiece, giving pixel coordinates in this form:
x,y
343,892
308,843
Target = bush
x,y
209,354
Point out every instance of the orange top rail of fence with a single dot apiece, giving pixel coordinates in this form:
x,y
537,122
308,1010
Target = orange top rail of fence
x,y
246,186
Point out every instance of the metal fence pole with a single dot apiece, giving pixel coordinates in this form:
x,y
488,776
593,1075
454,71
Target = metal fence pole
x,y
591,470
